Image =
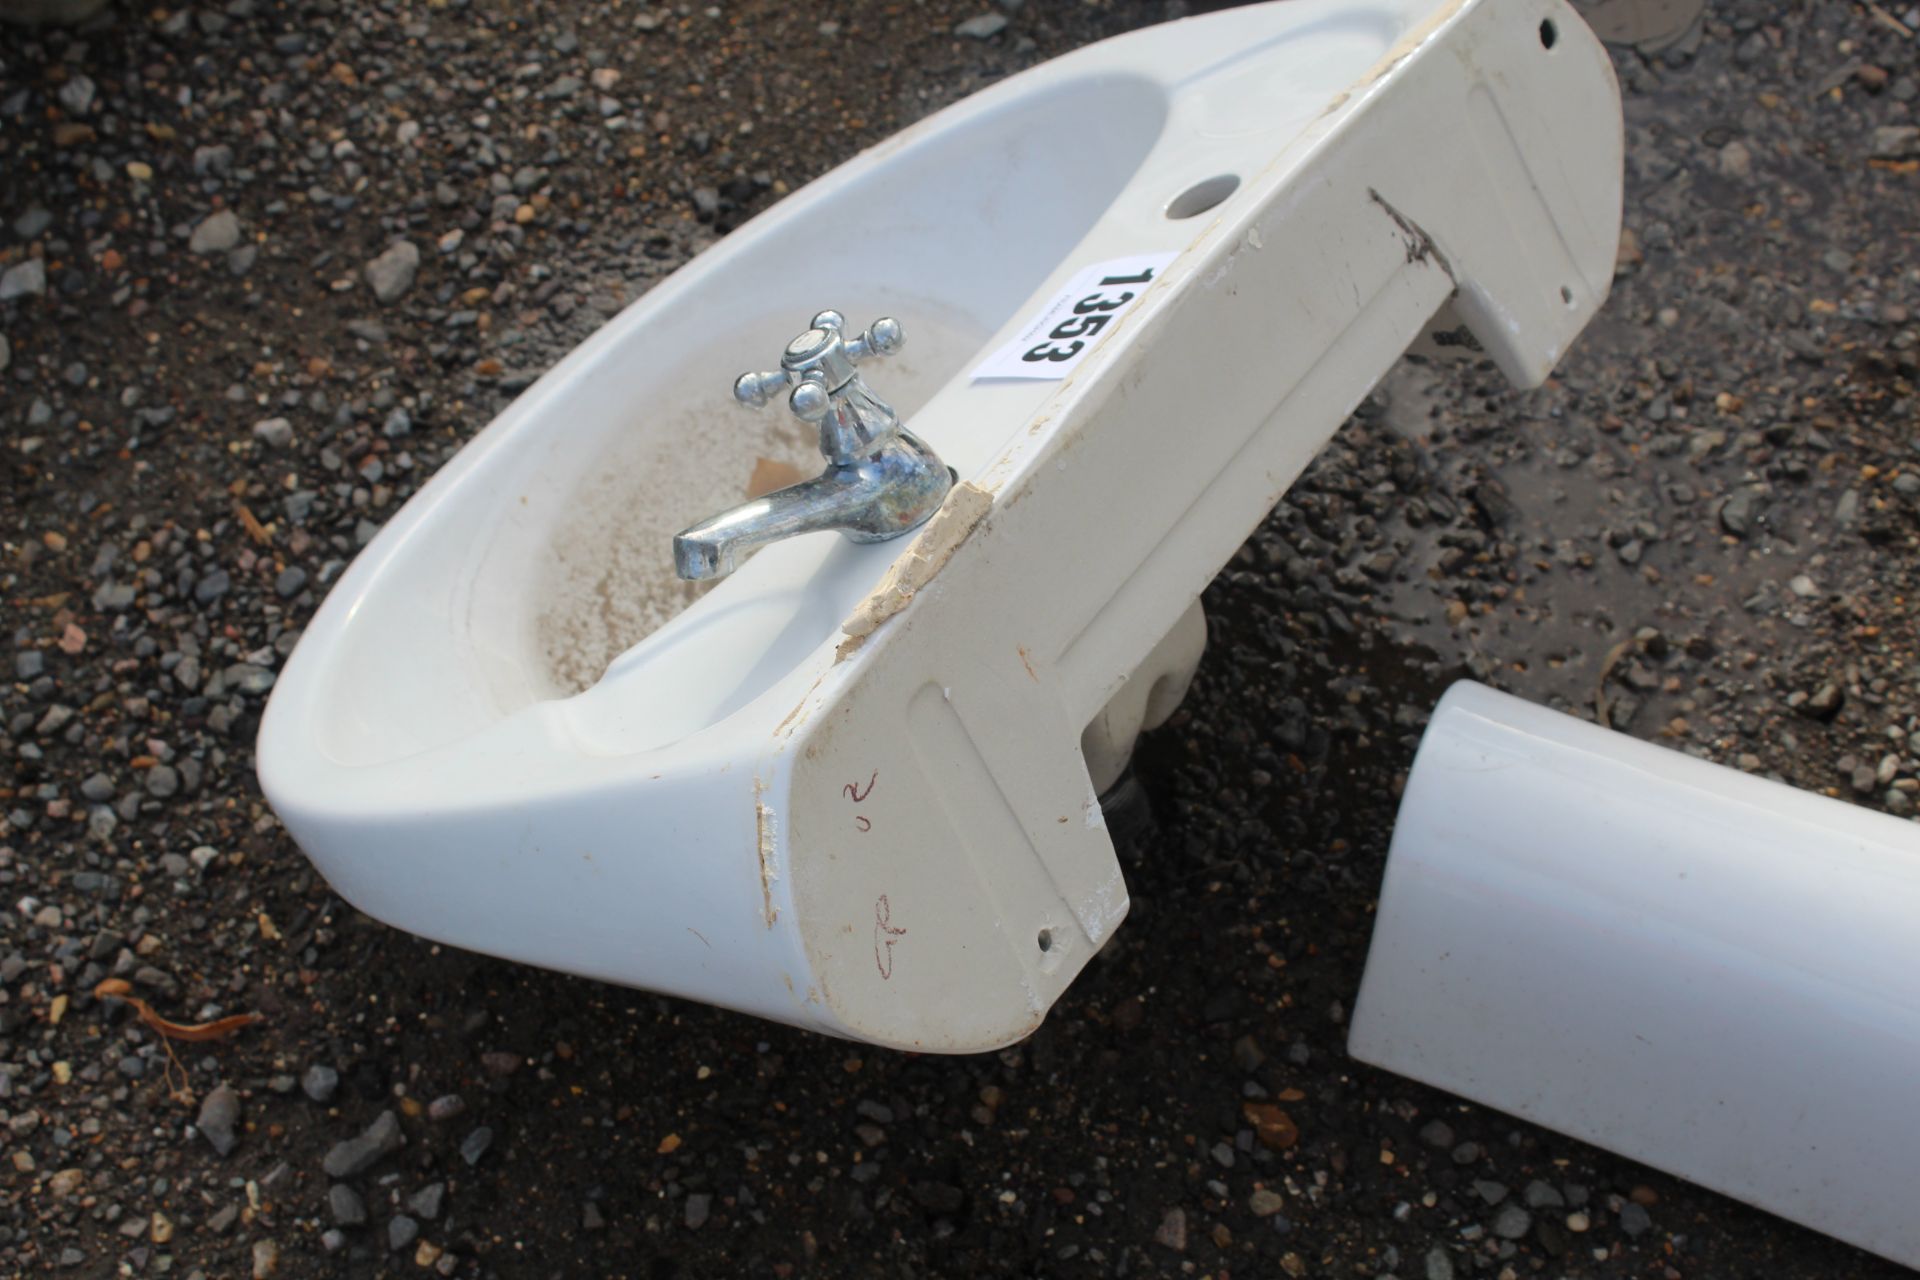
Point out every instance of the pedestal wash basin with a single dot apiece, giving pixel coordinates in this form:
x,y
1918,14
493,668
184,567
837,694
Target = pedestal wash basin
x,y
844,787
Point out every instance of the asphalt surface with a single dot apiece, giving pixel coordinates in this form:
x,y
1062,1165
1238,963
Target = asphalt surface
x,y
217,378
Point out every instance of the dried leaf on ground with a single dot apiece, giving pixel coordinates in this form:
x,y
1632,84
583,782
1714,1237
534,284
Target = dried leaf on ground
x,y
220,1029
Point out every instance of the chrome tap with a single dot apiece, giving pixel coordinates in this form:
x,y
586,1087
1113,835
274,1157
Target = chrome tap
x,y
881,480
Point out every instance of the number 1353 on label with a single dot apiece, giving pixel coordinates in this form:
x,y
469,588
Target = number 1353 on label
x,y
1054,341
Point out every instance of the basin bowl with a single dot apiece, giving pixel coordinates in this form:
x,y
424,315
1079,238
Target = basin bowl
x,y
844,787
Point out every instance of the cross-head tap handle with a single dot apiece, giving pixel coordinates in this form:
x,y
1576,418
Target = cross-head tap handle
x,y
819,364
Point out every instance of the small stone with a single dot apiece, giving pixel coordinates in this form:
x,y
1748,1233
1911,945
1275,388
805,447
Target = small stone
x,y
392,273
1248,1055
1825,702
446,1106
76,95
1437,1133
1172,1231
984,27
35,220
1634,1219
275,433
1264,1203
402,1231
219,1118
1512,1222
266,1259
1578,1222
1271,1125
24,279
1540,1195
1740,510
216,233
290,582
1896,141
348,1209
699,1207
427,1201
320,1082
475,1145
1439,1265
357,1155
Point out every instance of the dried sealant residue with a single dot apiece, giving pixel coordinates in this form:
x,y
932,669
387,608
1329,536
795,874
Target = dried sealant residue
x,y
966,505
763,827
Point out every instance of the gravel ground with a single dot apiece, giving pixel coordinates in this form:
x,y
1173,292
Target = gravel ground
x,y
264,266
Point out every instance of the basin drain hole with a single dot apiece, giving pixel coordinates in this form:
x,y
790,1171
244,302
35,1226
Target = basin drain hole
x,y
1203,195
1046,940
1548,33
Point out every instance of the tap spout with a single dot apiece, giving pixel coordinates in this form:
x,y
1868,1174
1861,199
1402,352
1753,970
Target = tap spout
x,y
891,491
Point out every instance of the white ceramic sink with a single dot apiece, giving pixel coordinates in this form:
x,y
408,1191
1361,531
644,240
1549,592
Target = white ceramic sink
x,y
510,729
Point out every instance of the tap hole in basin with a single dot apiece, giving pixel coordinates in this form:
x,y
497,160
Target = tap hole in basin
x,y
1202,196
1549,33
